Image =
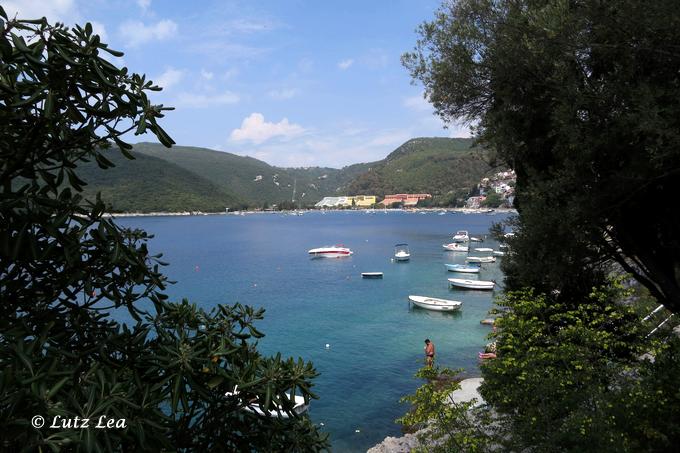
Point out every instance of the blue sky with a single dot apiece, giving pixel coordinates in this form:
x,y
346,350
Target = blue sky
x,y
294,83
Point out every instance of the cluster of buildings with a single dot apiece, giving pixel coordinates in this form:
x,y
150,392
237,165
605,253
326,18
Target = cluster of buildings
x,y
502,184
369,201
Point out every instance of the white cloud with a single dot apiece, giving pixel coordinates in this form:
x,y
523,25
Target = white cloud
x,y
144,4
170,77
136,32
194,100
345,64
417,103
54,10
207,75
255,129
283,94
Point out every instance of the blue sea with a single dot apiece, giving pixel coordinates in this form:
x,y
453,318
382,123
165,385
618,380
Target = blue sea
x,y
375,338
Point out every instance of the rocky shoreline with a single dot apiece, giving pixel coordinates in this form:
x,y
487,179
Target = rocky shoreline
x,y
467,392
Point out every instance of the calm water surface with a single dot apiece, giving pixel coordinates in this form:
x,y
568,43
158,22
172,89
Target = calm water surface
x,y
375,338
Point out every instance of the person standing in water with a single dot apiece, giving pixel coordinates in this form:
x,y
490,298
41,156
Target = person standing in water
x,y
429,352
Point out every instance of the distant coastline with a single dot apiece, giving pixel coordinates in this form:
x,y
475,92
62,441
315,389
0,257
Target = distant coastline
x,y
248,212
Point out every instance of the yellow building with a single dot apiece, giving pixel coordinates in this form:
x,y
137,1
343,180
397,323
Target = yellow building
x,y
364,201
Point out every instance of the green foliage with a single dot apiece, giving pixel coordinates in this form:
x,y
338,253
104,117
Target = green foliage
x,y
64,269
149,184
445,426
493,200
570,378
424,165
581,99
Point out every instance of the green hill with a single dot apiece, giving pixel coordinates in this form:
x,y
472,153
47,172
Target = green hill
x,y
440,166
251,180
148,184
185,178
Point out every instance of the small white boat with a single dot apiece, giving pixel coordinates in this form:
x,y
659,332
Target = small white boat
x,y
432,303
401,252
455,247
372,275
474,239
498,253
461,236
299,406
462,268
483,249
481,259
471,284
335,251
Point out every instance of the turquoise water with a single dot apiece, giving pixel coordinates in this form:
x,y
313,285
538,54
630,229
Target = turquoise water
x,y
375,338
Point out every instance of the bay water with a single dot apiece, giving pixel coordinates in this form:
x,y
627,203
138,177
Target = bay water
x,y
375,338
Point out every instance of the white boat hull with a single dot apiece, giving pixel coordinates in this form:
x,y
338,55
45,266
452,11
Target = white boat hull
x,y
462,269
372,274
432,303
330,252
472,284
455,247
480,259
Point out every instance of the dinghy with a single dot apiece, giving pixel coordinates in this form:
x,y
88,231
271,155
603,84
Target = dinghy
x,y
432,303
372,275
462,268
481,259
471,284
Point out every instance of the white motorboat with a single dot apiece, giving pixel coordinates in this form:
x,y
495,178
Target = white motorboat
x,y
334,251
471,284
498,253
455,247
299,406
401,252
481,259
474,239
483,249
432,303
462,268
372,275
461,236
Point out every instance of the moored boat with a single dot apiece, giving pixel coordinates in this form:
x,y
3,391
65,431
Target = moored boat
x,y
372,275
462,268
335,251
498,253
401,252
455,247
471,284
461,236
432,303
483,249
481,259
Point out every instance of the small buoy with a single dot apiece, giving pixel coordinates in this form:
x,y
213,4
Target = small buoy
x,y
254,285
357,431
328,346
321,424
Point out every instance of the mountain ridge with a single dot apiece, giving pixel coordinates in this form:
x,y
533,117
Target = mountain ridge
x,y
202,178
